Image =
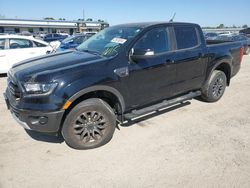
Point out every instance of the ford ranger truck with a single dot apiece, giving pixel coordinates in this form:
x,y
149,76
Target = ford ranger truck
x,y
121,73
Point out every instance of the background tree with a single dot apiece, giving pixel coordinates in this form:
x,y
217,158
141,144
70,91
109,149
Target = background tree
x,y
89,19
48,18
245,26
221,26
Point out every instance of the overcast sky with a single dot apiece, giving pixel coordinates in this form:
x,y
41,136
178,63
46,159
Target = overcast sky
x,y
205,13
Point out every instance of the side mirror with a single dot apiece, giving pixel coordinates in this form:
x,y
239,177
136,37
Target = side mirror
x,y
137,54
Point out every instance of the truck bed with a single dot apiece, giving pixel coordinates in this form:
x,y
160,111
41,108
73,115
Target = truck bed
x,y
228,49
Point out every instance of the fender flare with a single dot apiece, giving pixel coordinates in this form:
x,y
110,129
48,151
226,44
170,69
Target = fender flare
x,y
100,88
218,63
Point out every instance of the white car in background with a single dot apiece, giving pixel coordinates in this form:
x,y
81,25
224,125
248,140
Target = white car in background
x,y
14,48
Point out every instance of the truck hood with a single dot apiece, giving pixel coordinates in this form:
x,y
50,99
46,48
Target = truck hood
x,y
30,69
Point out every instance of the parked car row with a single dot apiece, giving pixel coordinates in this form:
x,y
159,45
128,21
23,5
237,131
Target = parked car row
x,y
73,41
246,32
15,48
245,41
213,35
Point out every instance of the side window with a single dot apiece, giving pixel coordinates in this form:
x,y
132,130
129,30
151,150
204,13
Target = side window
x,y
20,43
155,39
38,44
2,44
186,37
79,40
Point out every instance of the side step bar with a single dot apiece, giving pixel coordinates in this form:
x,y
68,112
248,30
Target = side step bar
x,y
163,104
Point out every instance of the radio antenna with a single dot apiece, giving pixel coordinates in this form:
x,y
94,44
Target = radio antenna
x,y
172,19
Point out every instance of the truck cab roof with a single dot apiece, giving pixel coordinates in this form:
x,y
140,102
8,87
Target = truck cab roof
x,y
149,24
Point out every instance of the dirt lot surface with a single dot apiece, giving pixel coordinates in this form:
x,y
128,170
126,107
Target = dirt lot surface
x,y
197,145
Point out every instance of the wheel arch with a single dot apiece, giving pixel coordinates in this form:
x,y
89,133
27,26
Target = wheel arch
x,y
109,94
224,66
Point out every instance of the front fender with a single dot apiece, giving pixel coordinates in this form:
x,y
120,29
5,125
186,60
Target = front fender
x,y
89,89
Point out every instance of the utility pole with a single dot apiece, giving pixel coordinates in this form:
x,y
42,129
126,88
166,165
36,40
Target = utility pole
x,y
83,14
83,18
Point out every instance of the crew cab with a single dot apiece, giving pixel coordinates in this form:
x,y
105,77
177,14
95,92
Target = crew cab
x,y
121,73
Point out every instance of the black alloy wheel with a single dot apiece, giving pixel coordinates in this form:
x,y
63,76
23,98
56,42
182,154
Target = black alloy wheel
x,y
90,124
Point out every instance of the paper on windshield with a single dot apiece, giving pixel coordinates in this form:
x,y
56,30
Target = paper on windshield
x,y
119,40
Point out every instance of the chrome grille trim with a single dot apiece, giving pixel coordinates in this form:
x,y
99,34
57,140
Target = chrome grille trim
x,y
13,88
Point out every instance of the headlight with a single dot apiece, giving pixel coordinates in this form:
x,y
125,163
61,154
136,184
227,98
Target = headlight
x,y
38,88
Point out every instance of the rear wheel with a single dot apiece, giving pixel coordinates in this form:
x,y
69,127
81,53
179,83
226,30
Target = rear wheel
x,y
215,87
90,124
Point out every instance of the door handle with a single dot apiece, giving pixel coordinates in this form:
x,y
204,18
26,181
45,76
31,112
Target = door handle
x,y
200,55
32,52
3,55
169,61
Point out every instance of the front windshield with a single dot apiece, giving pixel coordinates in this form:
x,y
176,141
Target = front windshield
x,y
108,41
68,39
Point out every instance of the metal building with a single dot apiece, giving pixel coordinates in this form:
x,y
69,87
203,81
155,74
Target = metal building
x,y
49,26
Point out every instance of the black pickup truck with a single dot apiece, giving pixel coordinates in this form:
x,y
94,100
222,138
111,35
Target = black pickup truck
x,y
121,73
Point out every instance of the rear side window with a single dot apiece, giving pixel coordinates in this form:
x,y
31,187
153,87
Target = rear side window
x,y
20,43
2,44
186,37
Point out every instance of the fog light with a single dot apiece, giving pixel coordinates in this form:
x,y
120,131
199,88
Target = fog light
x,y
43,120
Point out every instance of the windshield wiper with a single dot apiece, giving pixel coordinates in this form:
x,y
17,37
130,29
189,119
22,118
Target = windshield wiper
x,y
91,52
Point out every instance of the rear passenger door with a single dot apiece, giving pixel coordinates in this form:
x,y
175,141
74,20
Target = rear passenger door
x,y
189,58
18,50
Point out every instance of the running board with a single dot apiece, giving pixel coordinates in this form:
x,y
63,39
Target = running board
x,y
163,104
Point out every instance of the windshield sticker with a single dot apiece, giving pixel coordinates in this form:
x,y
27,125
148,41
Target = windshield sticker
x,y
119,40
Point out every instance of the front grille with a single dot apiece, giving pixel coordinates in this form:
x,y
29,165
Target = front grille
x,y
13,88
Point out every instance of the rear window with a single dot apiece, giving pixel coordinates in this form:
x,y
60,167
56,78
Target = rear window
x,y
186,37
38,44
2,44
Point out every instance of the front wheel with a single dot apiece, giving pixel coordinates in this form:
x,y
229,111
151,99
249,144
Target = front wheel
x,y
215,87
90,124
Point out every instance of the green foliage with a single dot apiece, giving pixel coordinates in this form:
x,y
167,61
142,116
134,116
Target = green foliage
x,y
48,18
221,26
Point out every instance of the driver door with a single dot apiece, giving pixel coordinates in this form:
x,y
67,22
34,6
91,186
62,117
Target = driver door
x,y
151,77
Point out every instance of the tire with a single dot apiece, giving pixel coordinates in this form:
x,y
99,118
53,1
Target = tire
x,y
215,87
247,50
90,124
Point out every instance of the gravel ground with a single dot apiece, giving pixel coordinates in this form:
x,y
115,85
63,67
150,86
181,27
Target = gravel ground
x,y
197,145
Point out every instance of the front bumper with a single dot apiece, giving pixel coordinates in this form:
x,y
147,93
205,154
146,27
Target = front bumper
x,y
47,122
